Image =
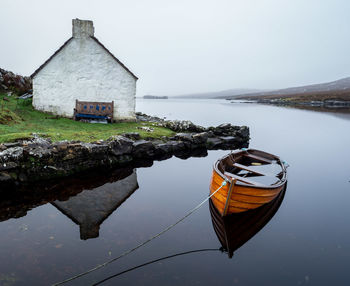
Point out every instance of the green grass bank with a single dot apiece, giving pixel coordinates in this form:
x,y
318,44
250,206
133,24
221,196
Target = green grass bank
x,y
18,120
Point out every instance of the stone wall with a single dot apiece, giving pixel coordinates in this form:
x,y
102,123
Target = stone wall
x,y
10,82
39,159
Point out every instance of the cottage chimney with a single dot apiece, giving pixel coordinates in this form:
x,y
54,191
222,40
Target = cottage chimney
x,y
82,28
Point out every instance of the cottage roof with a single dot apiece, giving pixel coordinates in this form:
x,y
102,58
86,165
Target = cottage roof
x,y
76,35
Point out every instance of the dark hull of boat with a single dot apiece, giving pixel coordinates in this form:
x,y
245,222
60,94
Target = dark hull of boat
x,y
236,229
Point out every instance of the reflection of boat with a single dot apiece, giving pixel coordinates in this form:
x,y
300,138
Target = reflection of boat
x,y
236,229
254,178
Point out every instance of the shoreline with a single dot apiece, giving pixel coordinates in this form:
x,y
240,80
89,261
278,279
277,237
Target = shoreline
x,y
320,106
28,161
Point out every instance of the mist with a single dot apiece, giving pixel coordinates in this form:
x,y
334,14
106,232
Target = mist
x,y
182,47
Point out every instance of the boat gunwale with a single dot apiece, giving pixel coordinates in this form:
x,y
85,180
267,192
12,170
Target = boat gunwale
x,y
280,183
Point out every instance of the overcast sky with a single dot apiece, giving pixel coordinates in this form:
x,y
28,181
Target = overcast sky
x,y
188,46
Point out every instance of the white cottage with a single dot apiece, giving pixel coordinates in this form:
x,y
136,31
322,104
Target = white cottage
x,y
85,70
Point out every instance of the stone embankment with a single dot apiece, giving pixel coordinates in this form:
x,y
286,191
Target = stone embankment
x,y
40,159
10,82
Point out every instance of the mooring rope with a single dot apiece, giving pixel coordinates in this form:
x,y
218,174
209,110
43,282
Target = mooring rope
x,y
143,243
154,261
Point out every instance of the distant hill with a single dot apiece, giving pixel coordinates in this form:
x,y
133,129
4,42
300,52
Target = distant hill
x,y
219,94
337,87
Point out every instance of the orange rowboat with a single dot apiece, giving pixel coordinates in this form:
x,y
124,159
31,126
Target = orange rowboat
x,y
253,178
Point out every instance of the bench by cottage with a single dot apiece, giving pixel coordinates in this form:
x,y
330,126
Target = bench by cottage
x,y
93,110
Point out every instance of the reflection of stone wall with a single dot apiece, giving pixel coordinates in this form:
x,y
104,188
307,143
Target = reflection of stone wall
x,y
90,208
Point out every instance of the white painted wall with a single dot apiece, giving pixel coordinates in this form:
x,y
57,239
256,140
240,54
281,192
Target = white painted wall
x,y
83,70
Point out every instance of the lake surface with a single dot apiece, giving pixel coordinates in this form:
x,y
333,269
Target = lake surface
x,y
307,242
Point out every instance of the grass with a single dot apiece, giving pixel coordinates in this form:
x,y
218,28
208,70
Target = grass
x,y
18,120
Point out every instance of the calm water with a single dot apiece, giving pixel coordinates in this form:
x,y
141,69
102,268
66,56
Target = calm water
x,y
307,242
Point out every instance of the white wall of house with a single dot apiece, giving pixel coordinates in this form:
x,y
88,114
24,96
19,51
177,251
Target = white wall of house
x,y
84,70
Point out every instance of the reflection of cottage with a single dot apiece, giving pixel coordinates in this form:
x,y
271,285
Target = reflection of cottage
x,y
83,69
90,208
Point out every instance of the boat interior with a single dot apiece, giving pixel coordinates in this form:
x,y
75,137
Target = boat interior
x,y
252,168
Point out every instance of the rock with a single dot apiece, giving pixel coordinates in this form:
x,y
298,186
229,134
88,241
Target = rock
x,y
224,130
183,137
38,141
145,128
244,132
144,117
10,145
5,177
63,145
228,140
51,167
210,133
11,154
192,140
68,157
124,159
25,96
174,125
96,149
213,143
13,82
182,126
38,147
132,135
8,166
143,148
178,146
164,148
224,126
200,138
120,145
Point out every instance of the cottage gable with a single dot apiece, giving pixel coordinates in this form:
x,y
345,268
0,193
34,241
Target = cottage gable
x,y
85,70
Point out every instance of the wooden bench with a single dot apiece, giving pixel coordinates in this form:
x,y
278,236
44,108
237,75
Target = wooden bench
x,y
93,110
